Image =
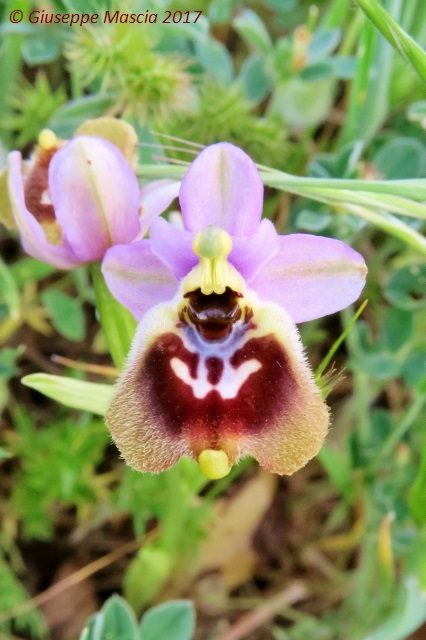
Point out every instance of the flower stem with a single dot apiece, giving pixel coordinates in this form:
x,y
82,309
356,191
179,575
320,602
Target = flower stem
x,y
360,381
117,322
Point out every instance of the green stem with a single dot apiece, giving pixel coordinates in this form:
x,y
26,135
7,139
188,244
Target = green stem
x,y
395,195
391,225
336,14
398,432
399,39
117,322
360,381
351,35
326,360
382,201
414,189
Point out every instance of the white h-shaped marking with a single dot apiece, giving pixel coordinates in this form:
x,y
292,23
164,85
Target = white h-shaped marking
x,y
230,381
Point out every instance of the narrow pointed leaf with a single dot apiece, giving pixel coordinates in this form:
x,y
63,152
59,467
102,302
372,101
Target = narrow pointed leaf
x,y
399,39
78,394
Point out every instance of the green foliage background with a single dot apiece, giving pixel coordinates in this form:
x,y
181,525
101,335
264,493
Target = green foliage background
x,y
328,97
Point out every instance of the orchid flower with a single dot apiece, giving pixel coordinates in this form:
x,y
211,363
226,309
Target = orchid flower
x,y
217,370
72,201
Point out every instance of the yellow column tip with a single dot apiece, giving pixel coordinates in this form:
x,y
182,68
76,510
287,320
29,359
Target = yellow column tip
x,y
47,139
214,464
212,243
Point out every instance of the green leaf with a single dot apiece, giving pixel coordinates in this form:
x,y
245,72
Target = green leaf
x,y
256,81
173,620
8,357
312,221
4,454
66,314
414,369
323,43
406,287
401,158
36,51
78,394
378,364
115,621
343,67
221,10
215,59
304,104
30,270
119,620
409,615
397,328
251,28
316,72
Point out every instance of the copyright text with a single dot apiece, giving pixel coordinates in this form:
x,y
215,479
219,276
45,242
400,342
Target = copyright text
x,y
109,17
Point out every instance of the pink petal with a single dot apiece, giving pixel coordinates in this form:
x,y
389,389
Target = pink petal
x,y
173,247
222,187
248,255
136,278
95,194
311,276
32,234
154,200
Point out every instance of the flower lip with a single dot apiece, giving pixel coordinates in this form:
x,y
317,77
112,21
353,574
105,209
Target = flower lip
x,y
251,393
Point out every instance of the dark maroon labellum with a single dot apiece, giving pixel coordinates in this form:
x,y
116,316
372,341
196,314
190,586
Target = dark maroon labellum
x,y
266,393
